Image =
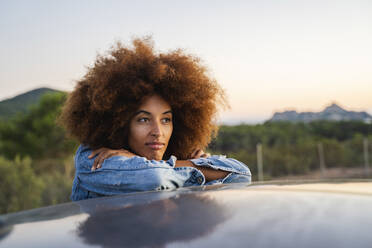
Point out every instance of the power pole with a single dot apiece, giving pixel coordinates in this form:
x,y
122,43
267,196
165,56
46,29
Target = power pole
x,y
259,162
366,157
321,158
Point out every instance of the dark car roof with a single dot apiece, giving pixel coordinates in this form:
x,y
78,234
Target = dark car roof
x,y
321,214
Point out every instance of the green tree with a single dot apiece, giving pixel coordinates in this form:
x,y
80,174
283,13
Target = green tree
x,y
35,134
19,187
38,156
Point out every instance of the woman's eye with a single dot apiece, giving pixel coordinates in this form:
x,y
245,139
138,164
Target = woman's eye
x,y
144,119
167,120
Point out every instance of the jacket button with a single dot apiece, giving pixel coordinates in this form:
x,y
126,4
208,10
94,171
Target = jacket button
x,y
200,180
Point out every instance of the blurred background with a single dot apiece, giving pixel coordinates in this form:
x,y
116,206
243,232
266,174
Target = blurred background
x,y
297,74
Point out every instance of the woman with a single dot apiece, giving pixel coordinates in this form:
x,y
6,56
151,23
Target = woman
x,y
143,119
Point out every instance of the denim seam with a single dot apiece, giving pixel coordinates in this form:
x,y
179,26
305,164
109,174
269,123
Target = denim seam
x,y
219,168
226,177
124,169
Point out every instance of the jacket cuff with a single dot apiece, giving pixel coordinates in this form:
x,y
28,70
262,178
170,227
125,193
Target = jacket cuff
x,y
196,177
172,161
220,162
232,178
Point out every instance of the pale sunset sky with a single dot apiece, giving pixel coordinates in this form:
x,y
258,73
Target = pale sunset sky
x,y
268,55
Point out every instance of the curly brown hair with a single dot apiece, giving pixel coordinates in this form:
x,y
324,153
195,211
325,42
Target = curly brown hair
x,y
97,112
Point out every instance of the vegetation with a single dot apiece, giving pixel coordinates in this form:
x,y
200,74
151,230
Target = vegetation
x,y
20,103
36,159
292,148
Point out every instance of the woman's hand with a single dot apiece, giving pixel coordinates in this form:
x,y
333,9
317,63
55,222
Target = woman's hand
x,y
199,153
103,153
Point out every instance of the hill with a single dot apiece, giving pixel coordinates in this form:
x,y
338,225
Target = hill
x,y
22,102
331,113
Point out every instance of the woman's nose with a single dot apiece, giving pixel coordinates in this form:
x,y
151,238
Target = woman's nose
x,y
156,129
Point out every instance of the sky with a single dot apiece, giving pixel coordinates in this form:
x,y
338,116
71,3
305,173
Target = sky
x,y
268,55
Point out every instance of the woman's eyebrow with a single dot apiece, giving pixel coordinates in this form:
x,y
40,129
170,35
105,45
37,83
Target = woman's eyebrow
x,y
142,112
148,113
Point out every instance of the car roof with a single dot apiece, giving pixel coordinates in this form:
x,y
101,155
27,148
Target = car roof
x,y
277,214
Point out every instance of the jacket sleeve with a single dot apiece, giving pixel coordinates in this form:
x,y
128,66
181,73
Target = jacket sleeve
x,y
120,174
239,172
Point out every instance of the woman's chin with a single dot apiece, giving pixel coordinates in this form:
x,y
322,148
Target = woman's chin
x,y
154,158
154,155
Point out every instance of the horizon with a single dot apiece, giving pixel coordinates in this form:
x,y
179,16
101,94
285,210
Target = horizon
x,y
230,120
269,56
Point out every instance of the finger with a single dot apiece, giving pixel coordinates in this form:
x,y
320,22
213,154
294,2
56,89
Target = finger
x,y
199,153
194,153
97,160
94,166
95,163
205,155
95,152
105,155
102,157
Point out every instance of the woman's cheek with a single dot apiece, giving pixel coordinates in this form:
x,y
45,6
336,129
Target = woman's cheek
x,y
170,131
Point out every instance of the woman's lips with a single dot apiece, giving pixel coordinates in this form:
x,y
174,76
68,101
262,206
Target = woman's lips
x,y
155,145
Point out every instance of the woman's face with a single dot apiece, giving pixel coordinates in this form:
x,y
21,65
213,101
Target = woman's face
x,y
151,128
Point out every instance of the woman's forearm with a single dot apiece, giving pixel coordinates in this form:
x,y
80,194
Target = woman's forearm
x,y
104,153
209,173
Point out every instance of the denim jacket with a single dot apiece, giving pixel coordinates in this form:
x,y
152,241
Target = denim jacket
x,y
119,174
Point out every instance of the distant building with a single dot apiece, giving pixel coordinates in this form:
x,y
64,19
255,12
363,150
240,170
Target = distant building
x,y
331,113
